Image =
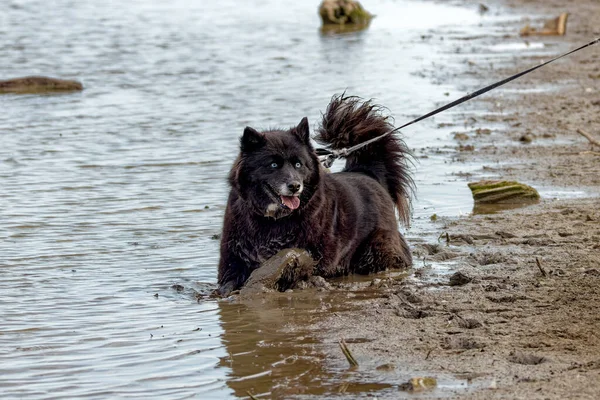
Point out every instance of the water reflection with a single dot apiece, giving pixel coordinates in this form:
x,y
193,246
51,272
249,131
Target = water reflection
x,y
496,208
332,29
264,357
272,350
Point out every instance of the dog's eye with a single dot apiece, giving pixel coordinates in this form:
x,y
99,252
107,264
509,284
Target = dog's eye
x,y
298,164
274,165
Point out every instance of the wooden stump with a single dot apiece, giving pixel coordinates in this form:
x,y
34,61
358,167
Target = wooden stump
x,y
342,12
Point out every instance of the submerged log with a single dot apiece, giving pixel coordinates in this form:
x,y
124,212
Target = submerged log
x,y
344,12
38,84
503,192
281,272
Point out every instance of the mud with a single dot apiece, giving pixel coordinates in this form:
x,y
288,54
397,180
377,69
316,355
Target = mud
x,y
505,300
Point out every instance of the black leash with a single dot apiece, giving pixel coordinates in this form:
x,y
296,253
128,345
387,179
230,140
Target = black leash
x,y
329,156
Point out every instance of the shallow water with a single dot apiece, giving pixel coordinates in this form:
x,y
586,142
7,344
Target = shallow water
x,y
112,195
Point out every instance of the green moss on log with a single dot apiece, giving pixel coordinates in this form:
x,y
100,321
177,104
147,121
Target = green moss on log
x,y
502,192
359,15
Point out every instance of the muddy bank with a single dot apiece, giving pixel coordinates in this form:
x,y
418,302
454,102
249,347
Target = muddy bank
x,y
505,303
514,316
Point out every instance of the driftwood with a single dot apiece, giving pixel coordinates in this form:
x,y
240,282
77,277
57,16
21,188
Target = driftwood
x,y
38,84
351,360
502,192
589,137
492,196
554,27
281,272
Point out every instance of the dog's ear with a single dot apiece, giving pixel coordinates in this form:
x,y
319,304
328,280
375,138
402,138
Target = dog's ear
x,y
251,140
303,131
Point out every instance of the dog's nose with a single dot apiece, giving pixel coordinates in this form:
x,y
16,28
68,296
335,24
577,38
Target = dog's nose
x,y
294,187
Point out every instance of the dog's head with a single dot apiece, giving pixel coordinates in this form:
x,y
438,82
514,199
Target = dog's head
x,y
277,171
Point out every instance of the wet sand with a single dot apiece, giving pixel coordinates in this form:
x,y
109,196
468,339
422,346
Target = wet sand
x,y
521,321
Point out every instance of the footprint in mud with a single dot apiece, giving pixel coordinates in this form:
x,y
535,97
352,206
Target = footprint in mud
x,y
526,359
462,343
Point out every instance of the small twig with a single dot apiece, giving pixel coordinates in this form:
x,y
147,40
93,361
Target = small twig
x,y
459,317
406,302
343,387
251,396
539,265
346,351
445,235
580,153
425,262
428,354
589,137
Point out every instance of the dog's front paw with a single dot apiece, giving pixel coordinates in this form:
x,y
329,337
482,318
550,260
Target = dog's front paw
x,y
225,289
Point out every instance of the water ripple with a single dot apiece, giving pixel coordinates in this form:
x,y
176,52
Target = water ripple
x,y
112,195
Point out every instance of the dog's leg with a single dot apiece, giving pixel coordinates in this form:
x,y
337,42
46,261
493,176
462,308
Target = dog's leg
x,y
225,289
233,272
382,250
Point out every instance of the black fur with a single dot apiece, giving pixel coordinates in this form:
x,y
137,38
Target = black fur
x,y
345,220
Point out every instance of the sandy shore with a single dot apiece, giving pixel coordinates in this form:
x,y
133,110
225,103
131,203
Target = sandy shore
x,y
523,321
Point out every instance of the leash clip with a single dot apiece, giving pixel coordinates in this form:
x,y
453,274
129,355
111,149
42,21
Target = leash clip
x,y
327,160
326,157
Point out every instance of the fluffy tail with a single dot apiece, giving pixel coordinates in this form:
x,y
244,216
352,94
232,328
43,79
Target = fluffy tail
x,y
348,121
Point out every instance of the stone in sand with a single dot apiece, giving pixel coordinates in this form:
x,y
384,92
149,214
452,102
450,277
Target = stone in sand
x,y
459,279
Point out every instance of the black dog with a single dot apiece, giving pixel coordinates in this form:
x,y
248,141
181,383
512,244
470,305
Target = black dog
x,y
281,197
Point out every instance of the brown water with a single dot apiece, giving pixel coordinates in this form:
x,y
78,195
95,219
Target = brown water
x,y
111,196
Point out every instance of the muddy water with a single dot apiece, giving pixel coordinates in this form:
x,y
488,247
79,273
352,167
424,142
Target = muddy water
x,y
111,196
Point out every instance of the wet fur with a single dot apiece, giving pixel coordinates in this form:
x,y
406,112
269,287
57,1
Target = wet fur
x,y
346,220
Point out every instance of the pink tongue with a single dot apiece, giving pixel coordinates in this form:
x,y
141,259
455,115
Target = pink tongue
x,y
292,202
